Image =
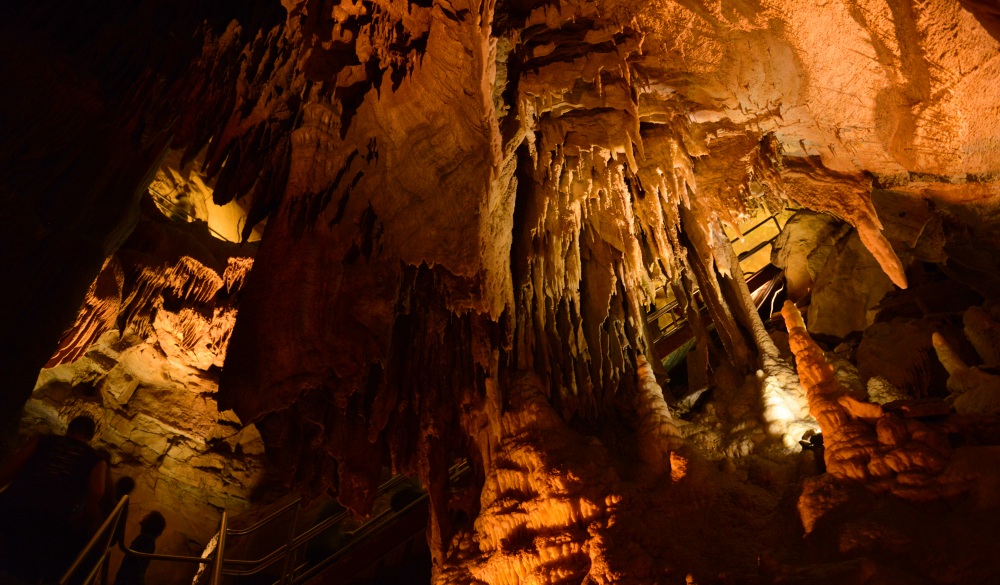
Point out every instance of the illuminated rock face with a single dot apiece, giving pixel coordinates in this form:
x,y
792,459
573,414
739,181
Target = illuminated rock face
x,y
183,191
462,196
142,360
882,459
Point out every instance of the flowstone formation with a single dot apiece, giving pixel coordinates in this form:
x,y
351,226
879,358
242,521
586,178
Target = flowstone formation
x,y
471,207
895,467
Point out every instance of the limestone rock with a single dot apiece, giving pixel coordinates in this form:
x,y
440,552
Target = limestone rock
x,y
900,352
803,249
461,195
973,390
984,334
847,289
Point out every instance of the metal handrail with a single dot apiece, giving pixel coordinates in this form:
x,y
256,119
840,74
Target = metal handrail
x,y
285,551
162,557
288,556
387,485
164,200
282,551
372,525
106,532
106,529
217,564
260,523
670,306
258,564
217,560
455,472
312,532
748,253
772,217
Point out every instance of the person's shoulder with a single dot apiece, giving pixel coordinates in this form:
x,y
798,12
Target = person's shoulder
x,y
144,543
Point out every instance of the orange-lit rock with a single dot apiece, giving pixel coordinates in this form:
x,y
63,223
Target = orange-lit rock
x,y
546,501
471,206
869,447
140,360
973,391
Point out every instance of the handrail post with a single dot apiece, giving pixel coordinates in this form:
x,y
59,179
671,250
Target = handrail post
x,y
219,548
288,547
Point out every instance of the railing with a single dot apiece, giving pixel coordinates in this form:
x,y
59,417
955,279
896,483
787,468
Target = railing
x,y
303,572
670,309
773,218
296,573
103,536
102,541
677,321
165,201
291,571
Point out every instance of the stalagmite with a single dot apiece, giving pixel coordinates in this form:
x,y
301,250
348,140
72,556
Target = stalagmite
x,y
849,442
865,444
658,436
539,520
973,391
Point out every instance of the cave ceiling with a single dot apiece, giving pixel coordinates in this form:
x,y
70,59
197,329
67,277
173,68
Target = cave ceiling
x,y
470,206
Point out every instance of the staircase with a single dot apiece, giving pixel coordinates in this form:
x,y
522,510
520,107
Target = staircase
x,y
306,555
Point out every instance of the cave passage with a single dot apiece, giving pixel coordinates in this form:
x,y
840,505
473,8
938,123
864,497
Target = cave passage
x,y
699,291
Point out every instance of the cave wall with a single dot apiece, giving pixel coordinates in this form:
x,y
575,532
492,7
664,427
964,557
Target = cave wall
x,y
142,359
99,92
462,194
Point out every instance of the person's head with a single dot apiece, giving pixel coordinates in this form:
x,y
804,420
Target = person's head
x,y
82,427
124,486
152,524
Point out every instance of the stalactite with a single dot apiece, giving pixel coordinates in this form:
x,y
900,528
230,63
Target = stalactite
x,y
701,261
153,288
98,314
470,207
811,186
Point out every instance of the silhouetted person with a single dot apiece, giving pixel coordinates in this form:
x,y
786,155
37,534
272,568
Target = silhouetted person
x,y
52,505
133,568
107,502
